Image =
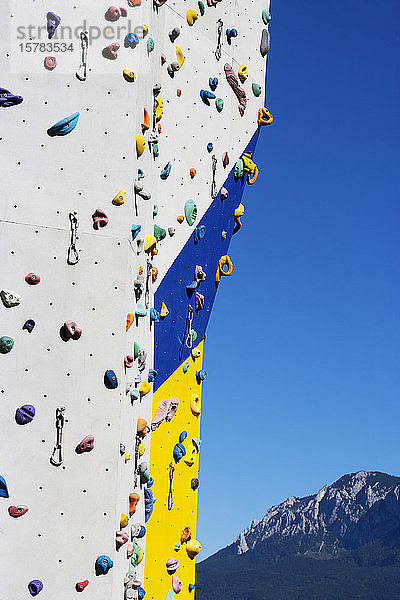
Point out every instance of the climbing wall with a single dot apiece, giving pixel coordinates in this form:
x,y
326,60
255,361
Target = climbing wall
x,y
127,137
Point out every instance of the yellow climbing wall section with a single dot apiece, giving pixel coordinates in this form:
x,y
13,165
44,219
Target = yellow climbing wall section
x,y
165,526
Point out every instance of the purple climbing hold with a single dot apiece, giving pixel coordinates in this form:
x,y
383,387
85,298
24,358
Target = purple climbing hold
x,y
35,587
53,22
25,414
29,325
8,99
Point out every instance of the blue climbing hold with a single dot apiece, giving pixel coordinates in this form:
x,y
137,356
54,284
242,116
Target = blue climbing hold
x,y
150,482
8,99
110,380
194,484
166,171
3,488
179,452
148,504
154,315
53,22
185,367
142,532
231,33
206,95
64,126
201,375
183,436
191,587
210,147
152,375
29,325
103,564
135,230
35,587
141,593
134,394
190,288
25,414
131,40
213,82
199,233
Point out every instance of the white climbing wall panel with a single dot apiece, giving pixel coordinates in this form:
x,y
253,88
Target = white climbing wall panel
x,y
75,508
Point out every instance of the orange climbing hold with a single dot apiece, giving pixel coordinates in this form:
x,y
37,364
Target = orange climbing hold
x,y
132,3
141,428
192,172
186,535
178,93
159,127
154,274
180,218
140,270
223,262
129,320
264,117
133,500
146,121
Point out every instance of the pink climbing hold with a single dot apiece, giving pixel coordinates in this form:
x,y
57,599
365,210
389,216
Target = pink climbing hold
x,y
121,537
161,413
100,219
72,330
50,63
198,301
86,445
176,584
111,51
112,14
163,59
225,159
17,511
32,279
128,361
237,89
224,193
199,274
123,11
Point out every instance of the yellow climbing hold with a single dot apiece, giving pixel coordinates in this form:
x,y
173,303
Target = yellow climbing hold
x,y
243,74
141,555
124,520
141,449
195,405
140,144
145,387
180,57
159,108
191,16
164,310
129,75
191,455
145,30
127,456
264,116
252,178
119,198
150,243
224,268
193,548
239,212
248,165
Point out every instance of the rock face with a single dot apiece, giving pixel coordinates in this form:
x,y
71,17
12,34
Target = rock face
x,y
355,510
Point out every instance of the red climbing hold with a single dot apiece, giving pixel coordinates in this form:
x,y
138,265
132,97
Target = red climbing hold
x,y
80,586
32,279
86,445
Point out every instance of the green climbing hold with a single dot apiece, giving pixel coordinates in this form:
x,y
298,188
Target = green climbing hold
x,y
193,335
140,174
185,367
156,151
150,45
190,211
239,169
266,17
6,344
219,103
141,310
155,210
159,233
136,350
202,8
223,234
256,87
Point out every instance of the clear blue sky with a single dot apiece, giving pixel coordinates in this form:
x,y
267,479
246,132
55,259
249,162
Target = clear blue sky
x,y
303,345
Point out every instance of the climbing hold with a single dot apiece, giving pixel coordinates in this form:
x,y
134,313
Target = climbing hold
x,y
112,14
50,63
172,565
8,99
70,330
29,325
239,169
142,358
178,93
150,243
193,548
135,230
6,344
141,591
213,82
239,212
191,456
171,231
194,484
191,16
191,587
161,413
154,274
177,547
144,388
199,233
180,57
199,274
133,500
159,107
154,315
198,301
266,17
145,29
185,367
150,45
202,8
223,235
224,193
243,73
80,586
173,34
138,531
176,584
206,96
140,145
264,117
127,457
252,178
53,22
3,488
86,445
163,59
201,375
103,564
225,159
141,174
180,218
231,33
256,87
141,310
173,407
129,75
164,310
25,414
136,350
190,288
238,91
10,298
192,172
265,42
123,522
128,361
111,51
148,504
178,452
146,121
64,126
173,68
210,147
100,219
110,380
140,191
119,199
152,375
121,537
182,436
219,103
186,534
35,587
131,40
141,428
196,353
166,171
129,320
224,268
190,211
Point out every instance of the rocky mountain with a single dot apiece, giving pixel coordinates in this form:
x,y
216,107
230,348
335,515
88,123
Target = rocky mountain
x,y
348,534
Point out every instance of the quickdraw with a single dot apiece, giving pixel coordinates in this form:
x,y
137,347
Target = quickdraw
x,y
214,191
148,274
56,458
223,261
171,480
189,338
218,51
73,254
82,69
